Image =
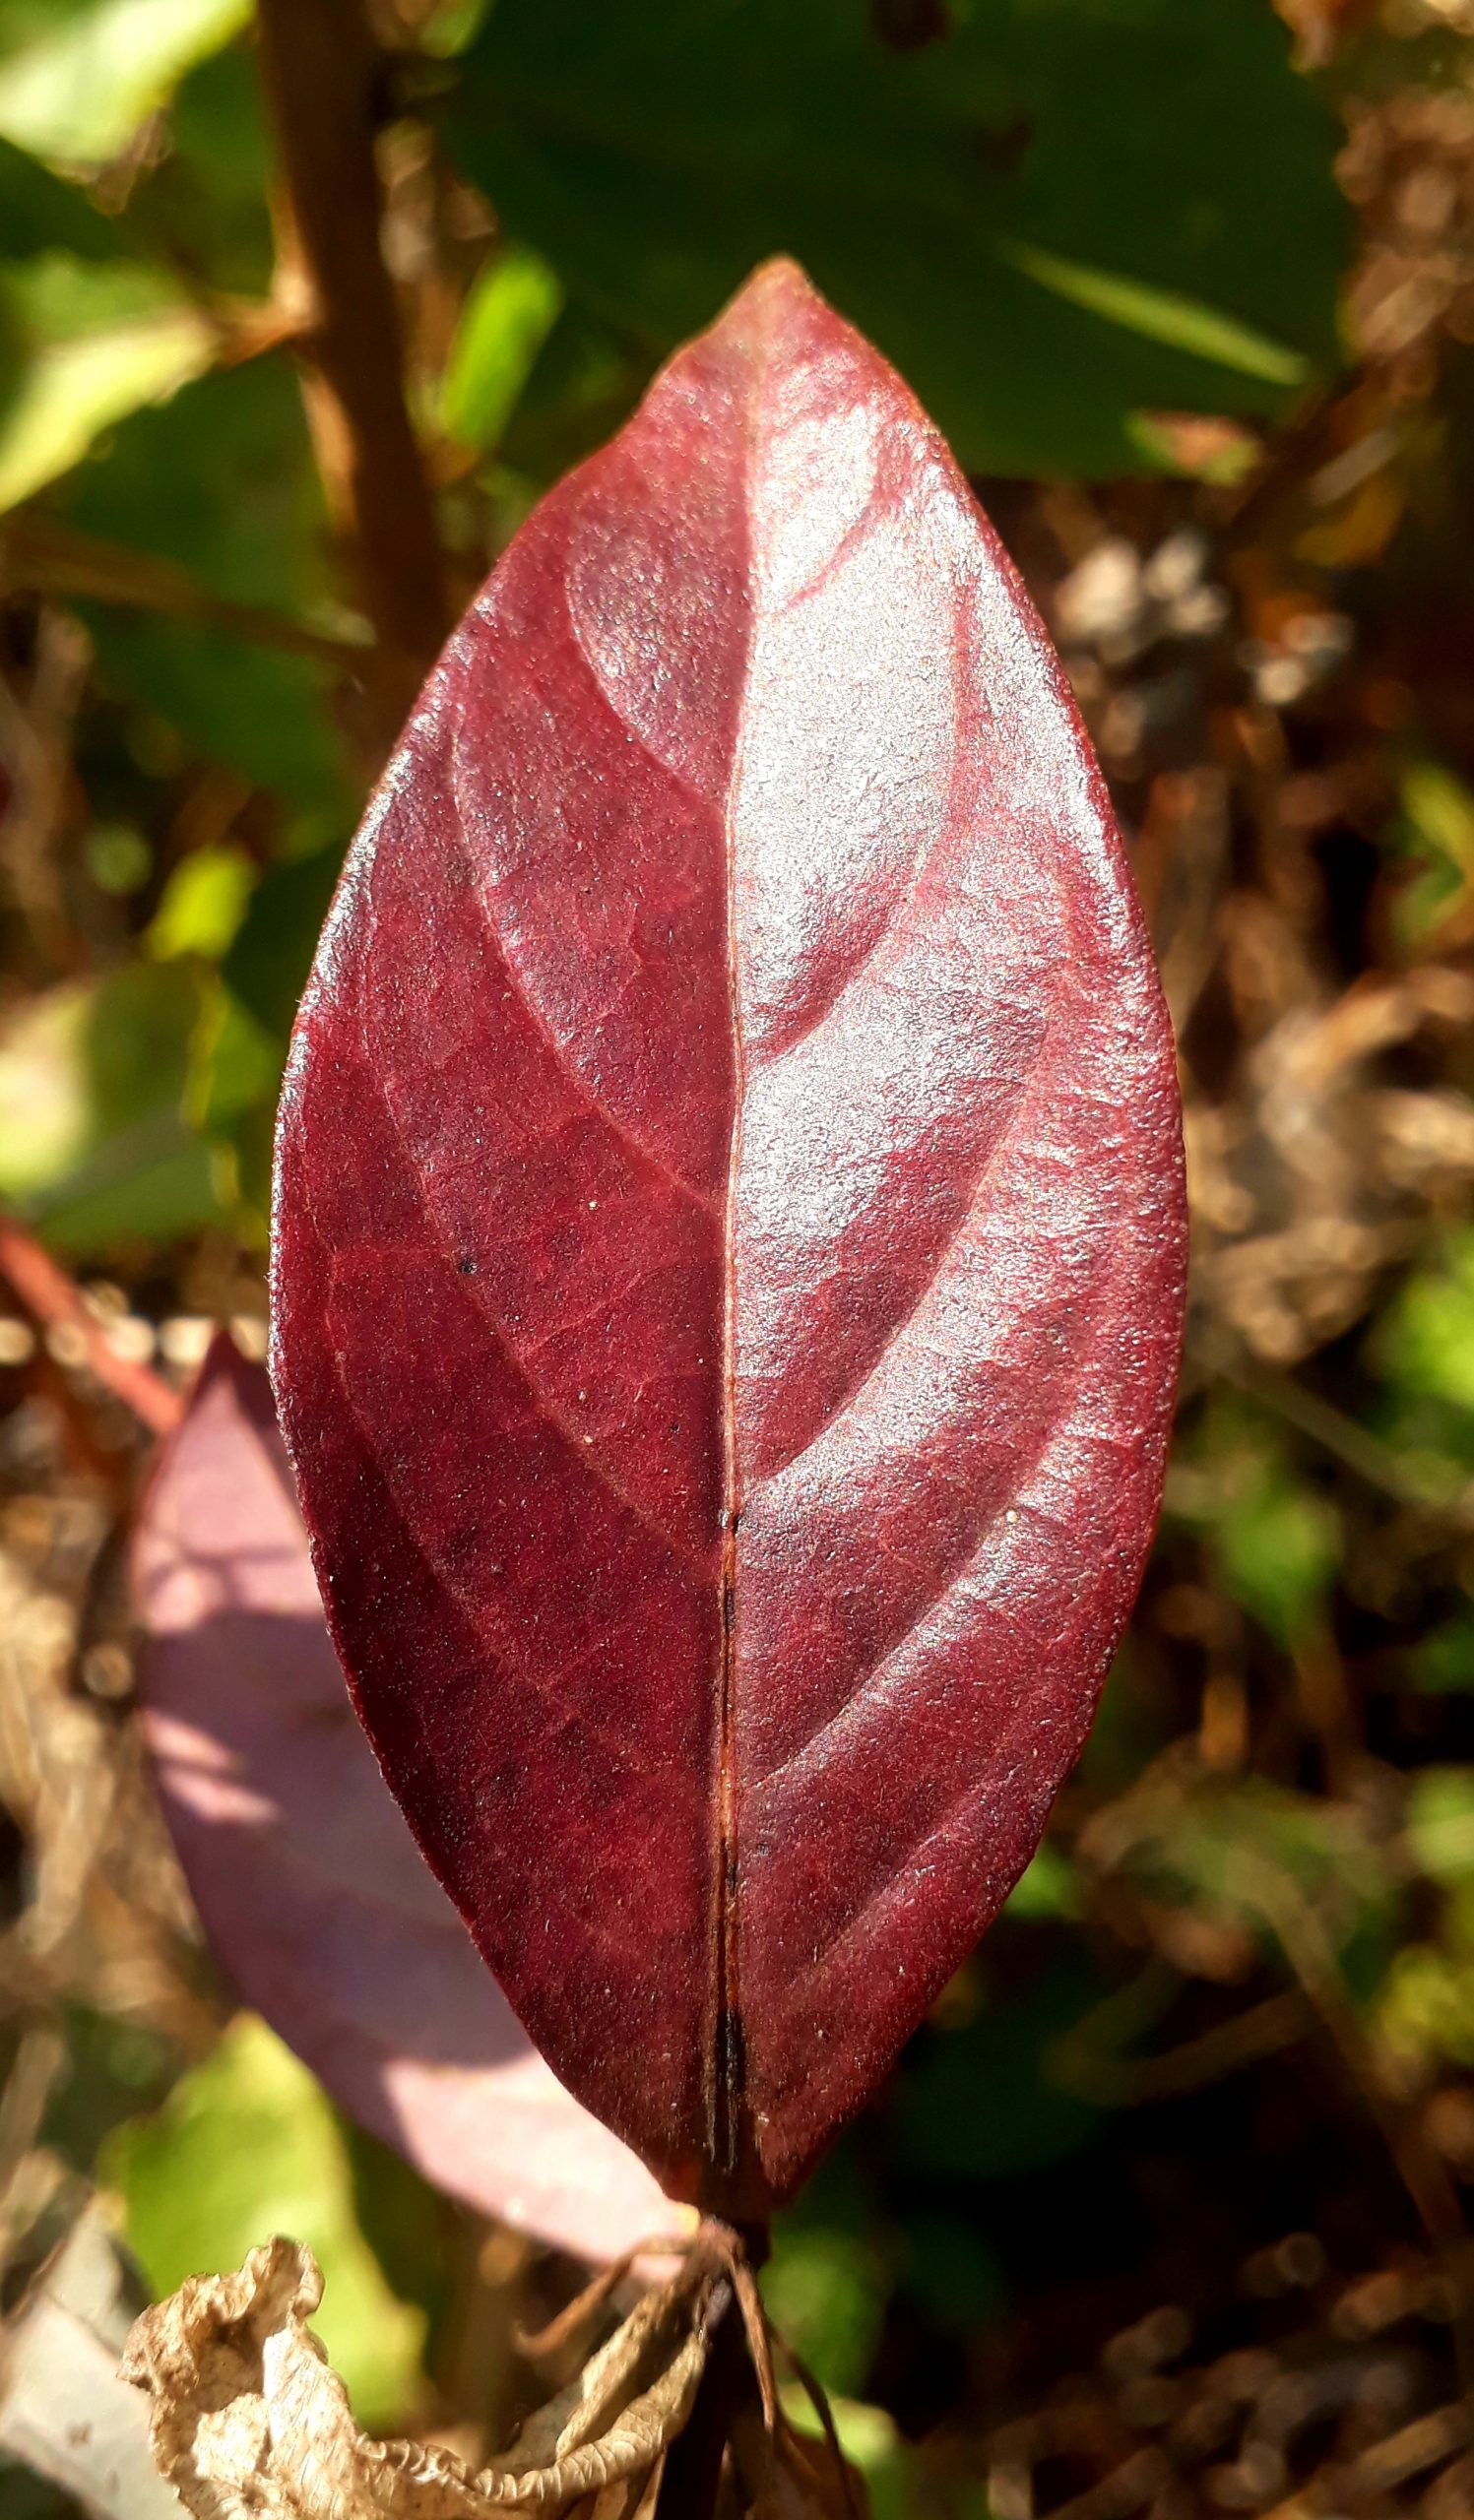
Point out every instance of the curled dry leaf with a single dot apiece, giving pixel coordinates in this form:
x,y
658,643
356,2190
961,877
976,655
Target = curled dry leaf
x,y
728,1250
307,1879
248,2418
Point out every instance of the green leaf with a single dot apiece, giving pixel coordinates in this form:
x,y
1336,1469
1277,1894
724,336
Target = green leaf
x,y
255,709
95,1146
1426,1340
1440,1823
450,26
826,2293
1278,1544
77,76
236,1066
1200,448
241,1046
1274,1538
953,2275
235,1077
505,320
113,2069
1250,1853
245,2146
41,213
1443,1661
415,2231
1049,218
871,2443
1047,1887
204,204
1426,2010
203,903
583,382
220,481
45,1114
268,964
1433,835
982,2100
1426,2004
1439,811
1159,315
86,344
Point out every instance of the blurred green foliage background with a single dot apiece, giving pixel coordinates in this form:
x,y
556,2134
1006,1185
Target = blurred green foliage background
x,y
1192,290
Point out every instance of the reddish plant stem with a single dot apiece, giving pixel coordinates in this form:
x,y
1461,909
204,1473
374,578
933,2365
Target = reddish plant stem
x,y
50,1299
319,67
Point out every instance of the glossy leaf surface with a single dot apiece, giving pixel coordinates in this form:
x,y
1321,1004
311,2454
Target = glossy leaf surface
x,y
729,1249
308,1882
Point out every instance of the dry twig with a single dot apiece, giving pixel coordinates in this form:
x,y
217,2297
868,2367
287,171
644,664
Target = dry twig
x,y
320,67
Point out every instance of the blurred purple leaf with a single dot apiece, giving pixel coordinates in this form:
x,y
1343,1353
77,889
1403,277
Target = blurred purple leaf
x,y
309,1884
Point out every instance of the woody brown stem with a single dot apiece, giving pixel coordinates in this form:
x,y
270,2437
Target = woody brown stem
x,y
319,67
691,2486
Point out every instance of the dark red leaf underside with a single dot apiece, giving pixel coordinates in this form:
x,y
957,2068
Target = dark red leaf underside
x,y
729,1249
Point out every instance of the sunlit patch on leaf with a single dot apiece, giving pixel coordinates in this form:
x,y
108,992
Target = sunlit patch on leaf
x,y
1426,1340
95,1146
504,323
1046,1887
825,2290
77,76
202,905
1426,2006
1158,314
90,344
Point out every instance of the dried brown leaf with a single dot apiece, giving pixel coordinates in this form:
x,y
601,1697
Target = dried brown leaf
x,y
590,2406
785,2475
803,2483
251,2422
631,2499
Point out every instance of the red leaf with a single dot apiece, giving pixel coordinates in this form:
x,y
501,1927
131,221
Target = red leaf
x,y
729,1249
307,1879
